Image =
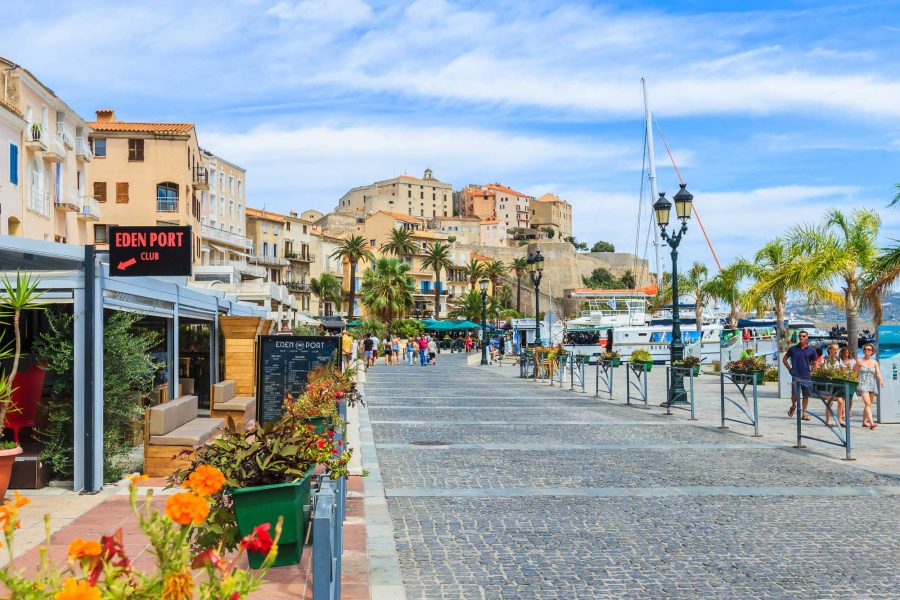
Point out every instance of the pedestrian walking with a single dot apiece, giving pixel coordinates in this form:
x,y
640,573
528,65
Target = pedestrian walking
x,y
374,339
801,356
368,346
468,344
395,348
412,346
432,351
868,370
388,348
423,351
346,348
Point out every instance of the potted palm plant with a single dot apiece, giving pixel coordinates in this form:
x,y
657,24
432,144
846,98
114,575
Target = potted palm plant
x,y
641,358
15,298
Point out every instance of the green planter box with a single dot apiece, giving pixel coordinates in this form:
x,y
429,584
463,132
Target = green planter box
x,y
834,386
695,370
614,362
264,504
320,423
758,375
647,365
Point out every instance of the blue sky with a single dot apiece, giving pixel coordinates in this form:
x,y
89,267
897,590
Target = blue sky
x,y
774,114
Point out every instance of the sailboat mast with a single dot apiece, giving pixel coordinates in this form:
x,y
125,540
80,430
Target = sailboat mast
x,y
653,193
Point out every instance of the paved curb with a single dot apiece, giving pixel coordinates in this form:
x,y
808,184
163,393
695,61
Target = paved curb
x,y
385,578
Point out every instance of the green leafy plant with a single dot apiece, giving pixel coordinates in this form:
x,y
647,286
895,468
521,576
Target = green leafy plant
x,y
407,328
371,325
750,363
771,375
687,361
640,356
305,330
610,355
835,373
128,368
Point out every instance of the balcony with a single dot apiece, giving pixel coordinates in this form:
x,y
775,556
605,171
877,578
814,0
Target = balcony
x,y
267,259
69,202
166,204
56,150
226,237
90,209
36,137
242,267
303,288
83,150
63,134
308,258
201,178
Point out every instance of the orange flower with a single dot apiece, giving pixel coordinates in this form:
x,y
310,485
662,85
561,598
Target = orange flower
x,y
77,590
9,513
178,586
80,548
205,480
136,477
187,507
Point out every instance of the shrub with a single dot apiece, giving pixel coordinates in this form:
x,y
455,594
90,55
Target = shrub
x,y
641,356
749,363
687,361
407,328
837,373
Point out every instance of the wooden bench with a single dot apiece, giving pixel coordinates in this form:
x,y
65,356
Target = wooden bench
x,y
242,409
173,433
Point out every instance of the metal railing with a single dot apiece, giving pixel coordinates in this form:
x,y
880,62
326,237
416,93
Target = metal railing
x,y
83,149
67,138
229,237
69,201
90,208
328,531
56,149
166,204
308,257
267,259
298,287
241,266
35,135
39,202
201,177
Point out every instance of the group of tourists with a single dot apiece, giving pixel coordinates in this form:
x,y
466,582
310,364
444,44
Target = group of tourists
x,y
801,358
421,350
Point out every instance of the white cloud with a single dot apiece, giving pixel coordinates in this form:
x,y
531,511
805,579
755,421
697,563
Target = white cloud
x,y
347,12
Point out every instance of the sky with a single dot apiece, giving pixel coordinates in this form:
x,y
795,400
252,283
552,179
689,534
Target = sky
x,y
773,115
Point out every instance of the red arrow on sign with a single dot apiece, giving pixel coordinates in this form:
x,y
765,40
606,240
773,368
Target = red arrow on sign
x,y
126,263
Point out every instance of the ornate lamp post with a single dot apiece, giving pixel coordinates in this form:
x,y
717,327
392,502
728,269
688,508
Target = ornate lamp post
x,y
484,288
662,207
536,271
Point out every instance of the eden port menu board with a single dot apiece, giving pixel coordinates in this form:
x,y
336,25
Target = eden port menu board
x,y
284,362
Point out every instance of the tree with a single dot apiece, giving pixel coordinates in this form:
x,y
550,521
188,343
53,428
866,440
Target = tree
x,y
474,271
469,306
602,279
602,246
725,287
550,232
353,249
400,243
494,271
694,284
504,297
841,250
882,276
437,257
386,291
326,288
407,328
519,266
628,280
663,294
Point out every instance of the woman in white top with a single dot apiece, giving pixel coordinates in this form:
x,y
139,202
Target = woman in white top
x,y
868,370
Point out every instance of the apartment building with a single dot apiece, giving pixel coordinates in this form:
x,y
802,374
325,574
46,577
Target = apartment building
x,y
299,249
267,229
426,197
464,230
45,192
512,208
324,245
493,233
477,202
552,212
146,174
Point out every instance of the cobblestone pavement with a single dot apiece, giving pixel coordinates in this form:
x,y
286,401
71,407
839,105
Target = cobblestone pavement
x,y
500,488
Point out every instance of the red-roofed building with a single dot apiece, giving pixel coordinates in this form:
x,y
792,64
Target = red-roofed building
x,y
424,197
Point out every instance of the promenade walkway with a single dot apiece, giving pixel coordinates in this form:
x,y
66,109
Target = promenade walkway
x,y
497,487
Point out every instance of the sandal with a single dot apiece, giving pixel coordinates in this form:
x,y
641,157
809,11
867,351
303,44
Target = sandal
x,y
791,411
806,418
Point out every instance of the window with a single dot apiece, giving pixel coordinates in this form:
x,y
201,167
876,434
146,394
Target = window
x,y
240,186
265,227
100,191
121,192
167,197
100,148
100,234
421,195
231,185
409,193
274,249
265,248
13,164
135,150
304,229
275,228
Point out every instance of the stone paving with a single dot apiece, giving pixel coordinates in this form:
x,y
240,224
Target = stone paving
x,y
526,491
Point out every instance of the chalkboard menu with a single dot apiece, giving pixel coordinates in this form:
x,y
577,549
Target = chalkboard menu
x,y
284,364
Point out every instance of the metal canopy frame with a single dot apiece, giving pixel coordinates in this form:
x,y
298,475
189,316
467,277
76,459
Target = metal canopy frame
x,y
62,271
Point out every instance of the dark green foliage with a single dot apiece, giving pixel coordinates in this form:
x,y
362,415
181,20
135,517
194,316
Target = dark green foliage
x,y
407,328
602,279
602,246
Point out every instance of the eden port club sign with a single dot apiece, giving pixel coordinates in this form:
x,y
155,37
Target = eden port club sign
x,y
140,251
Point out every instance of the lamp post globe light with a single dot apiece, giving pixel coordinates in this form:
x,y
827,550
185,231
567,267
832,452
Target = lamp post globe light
x,y
484,288
536,272
662,207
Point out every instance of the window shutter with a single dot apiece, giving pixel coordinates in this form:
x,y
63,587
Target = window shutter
x,y
14,164
122,192
100,191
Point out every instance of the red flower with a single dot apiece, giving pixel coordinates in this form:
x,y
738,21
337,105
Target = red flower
x,y
313,412
330,433
310,427
334,451
209,558
340,443
339,394
258,541
321,444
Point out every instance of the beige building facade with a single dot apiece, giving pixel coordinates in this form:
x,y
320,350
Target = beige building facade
x,y
477,202
512,208
146,174
45,192
465,230
424,197
552,212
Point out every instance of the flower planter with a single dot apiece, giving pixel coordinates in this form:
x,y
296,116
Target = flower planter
x,y
758,375
834,386
647,365
7,458
613,362
264,504
695,370
320,423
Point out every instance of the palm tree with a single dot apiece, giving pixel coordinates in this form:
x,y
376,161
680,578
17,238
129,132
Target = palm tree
x,y
386,290
474,270
400,243
724,286
883,275
842,250
326,288
353,249
469,306
437,257
663,294
494,270
519,266
694,284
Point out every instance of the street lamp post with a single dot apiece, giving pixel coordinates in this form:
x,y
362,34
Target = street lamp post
x,y
484,289
536,271
662,207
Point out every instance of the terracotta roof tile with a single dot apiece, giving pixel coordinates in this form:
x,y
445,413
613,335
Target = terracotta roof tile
x,y
264,214
506,190
490,222
141,127
400,216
